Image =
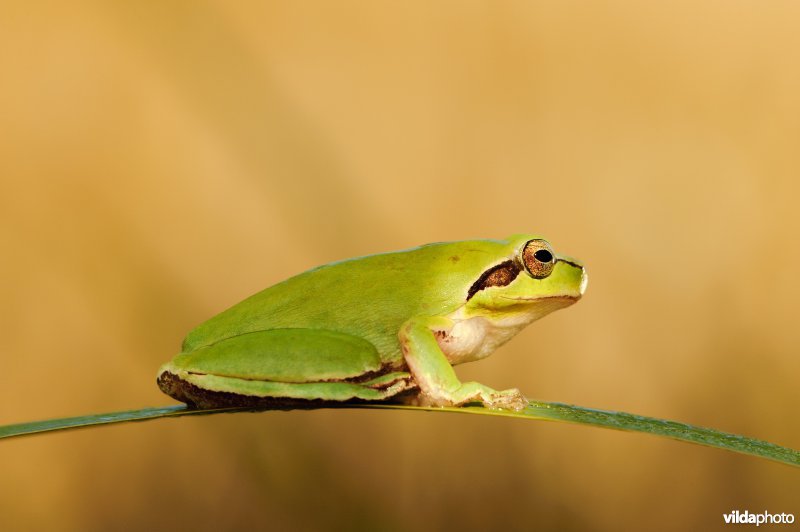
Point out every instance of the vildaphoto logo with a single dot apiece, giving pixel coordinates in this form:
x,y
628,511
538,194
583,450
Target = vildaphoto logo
x,y
764,518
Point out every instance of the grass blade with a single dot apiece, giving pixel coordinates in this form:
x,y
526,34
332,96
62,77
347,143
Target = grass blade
x,y
537,410
65,423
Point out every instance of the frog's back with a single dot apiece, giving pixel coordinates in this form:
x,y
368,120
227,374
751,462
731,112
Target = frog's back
x,y
369,297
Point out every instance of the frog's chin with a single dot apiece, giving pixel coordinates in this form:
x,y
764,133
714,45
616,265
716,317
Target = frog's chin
x,y
513,313
475,336
533,308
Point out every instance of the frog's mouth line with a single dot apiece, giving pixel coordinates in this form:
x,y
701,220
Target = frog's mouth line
x,y
546,298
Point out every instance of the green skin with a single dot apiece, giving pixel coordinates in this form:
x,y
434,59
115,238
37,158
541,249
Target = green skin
x,y
372,328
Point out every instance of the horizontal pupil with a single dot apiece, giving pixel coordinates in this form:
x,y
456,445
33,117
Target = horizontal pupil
x,y
543,255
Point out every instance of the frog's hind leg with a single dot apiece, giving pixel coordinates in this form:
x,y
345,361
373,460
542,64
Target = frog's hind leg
x,y
281,367
208,391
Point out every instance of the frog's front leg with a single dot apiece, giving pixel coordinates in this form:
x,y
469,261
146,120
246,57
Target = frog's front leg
x,y
434,375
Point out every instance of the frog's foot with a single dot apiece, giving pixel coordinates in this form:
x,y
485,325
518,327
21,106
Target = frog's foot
x,y
474,392
511,399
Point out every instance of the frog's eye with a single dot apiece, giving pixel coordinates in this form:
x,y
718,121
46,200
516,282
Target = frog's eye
x,y
538,258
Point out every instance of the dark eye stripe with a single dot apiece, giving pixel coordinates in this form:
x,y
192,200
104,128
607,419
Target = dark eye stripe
x,y
500,275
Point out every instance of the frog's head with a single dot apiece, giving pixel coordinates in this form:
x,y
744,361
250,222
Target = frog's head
x,y
532,282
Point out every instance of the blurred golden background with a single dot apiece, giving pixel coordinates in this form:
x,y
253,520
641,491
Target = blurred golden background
x,y
163,160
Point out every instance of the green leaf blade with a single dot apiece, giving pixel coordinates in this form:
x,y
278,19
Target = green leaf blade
x,y
536,410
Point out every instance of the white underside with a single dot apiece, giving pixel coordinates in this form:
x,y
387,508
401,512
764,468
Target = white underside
x,y
474,338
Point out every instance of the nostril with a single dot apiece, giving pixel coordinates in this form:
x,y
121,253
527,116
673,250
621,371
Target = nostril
x,y
542,255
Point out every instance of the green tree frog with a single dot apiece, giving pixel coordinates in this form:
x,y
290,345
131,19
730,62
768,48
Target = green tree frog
x,y
381,327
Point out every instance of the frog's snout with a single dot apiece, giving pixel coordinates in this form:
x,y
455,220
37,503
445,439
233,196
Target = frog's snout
x,y
584,280
577,276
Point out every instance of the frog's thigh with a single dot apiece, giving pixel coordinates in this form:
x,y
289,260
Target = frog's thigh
x,y
284,355
280,363
325,391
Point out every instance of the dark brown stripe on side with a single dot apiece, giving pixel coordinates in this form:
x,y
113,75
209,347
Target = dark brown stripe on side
x,y
574,264
500,275
196,397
